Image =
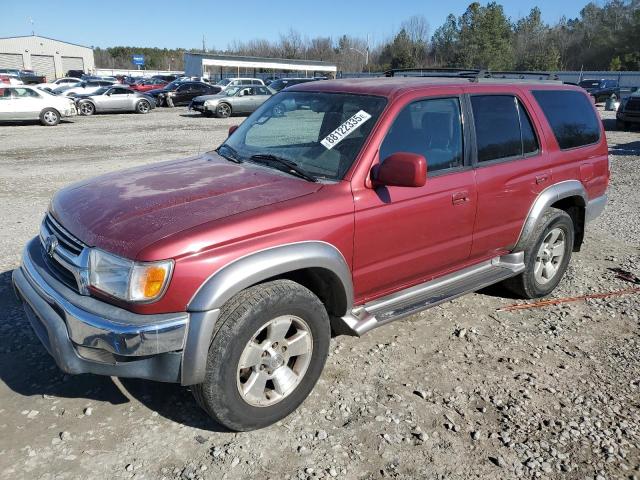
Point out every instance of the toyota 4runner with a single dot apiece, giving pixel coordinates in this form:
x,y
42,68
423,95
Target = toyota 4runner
x,y
336,207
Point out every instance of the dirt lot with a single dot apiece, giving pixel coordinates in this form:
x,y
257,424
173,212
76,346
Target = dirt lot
x,y
461,391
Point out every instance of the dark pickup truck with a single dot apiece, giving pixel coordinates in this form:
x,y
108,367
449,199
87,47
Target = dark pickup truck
x,y
28,77
601,90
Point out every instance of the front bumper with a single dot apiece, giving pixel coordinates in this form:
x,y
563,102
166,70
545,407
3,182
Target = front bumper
x,y
630,117
86,335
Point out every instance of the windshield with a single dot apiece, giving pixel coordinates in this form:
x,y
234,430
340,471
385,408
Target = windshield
x,y
321,133
101,91
231,91
223,82
589,83
173,85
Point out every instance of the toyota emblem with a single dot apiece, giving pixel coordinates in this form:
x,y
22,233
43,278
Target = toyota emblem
x,y
50,245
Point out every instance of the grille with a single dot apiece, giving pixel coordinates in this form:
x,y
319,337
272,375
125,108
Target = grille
x,y
67,263
68,241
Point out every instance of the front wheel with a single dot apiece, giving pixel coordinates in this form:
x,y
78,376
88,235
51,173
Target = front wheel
x,y
143,107
546,255
268,351
223,110
87,109
49,117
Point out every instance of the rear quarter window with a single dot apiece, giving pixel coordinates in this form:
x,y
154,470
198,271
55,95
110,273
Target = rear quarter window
x,y
571,117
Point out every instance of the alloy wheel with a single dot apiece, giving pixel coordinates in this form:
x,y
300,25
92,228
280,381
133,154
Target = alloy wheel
x,y
550,256
274,361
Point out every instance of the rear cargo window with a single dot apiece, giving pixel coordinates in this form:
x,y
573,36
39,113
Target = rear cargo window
x,y
571,116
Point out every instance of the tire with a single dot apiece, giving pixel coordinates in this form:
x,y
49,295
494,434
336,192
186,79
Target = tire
x,y
49,117
143,107
544,267
255,321
223,110
86,109
623,126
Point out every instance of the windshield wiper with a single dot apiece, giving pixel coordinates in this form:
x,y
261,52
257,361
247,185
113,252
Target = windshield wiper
x,y
291,167
232,156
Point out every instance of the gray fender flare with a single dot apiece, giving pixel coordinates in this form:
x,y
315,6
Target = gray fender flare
x,y
204,307
546,198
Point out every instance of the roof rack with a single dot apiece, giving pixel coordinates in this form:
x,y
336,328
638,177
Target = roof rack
x,y
473,74
434,72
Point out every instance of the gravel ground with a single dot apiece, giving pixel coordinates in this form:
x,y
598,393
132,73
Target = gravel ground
x,y
460,391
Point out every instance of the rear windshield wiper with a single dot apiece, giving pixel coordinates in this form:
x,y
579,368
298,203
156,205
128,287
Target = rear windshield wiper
x,y
290,166
232,156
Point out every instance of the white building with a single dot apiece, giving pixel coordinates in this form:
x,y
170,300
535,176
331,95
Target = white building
x,y
219,66
45,56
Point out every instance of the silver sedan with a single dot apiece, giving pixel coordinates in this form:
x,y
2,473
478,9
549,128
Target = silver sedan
x,y
231,100
114,98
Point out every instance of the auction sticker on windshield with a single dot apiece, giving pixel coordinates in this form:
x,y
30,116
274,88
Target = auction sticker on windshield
x,y
345,129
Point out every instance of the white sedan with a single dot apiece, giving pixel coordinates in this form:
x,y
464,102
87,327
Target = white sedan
x,y
82,88
10,79
26,102
61,82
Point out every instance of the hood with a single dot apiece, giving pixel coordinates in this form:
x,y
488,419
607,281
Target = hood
x,y
124,212
203,98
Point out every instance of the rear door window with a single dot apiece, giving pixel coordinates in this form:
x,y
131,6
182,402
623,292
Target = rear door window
x,y
503,128
432,128
571,117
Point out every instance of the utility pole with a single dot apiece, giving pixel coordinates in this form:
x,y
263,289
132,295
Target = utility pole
x,y
204,48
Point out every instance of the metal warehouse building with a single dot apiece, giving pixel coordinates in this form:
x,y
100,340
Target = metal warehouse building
x,y
202,64
45,56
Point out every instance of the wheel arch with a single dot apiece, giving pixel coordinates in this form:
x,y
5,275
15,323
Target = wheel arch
x,y
570,196
317,265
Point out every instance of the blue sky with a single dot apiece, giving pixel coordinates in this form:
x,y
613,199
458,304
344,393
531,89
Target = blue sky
x,y
181,23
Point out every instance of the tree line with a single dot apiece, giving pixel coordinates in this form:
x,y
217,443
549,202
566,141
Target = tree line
x,y
605,36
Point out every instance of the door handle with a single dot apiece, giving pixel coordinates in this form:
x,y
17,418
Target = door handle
x,y
542,178
459,198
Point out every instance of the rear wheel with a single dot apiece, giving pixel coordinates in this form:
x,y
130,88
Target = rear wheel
x,y
87,108
143,107
269,350
49,117
223,110
546,256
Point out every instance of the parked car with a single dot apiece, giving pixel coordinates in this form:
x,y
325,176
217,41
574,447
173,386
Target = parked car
x,y
181,93
83,87
369,201
60,82
628,112
28,77
25,102
10,79
281,83
116,98
235,82
168,78
231,100
75,73
601,90
147,84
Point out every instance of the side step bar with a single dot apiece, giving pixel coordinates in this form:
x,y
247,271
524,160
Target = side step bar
x,y
434,292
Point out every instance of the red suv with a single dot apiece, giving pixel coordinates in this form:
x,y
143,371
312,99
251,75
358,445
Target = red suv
x,y
336,207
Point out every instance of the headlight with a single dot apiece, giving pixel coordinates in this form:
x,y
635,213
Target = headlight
x,y
128,280
210,102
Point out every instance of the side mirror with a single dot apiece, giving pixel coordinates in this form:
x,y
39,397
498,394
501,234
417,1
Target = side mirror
x,y
401,169
232,129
